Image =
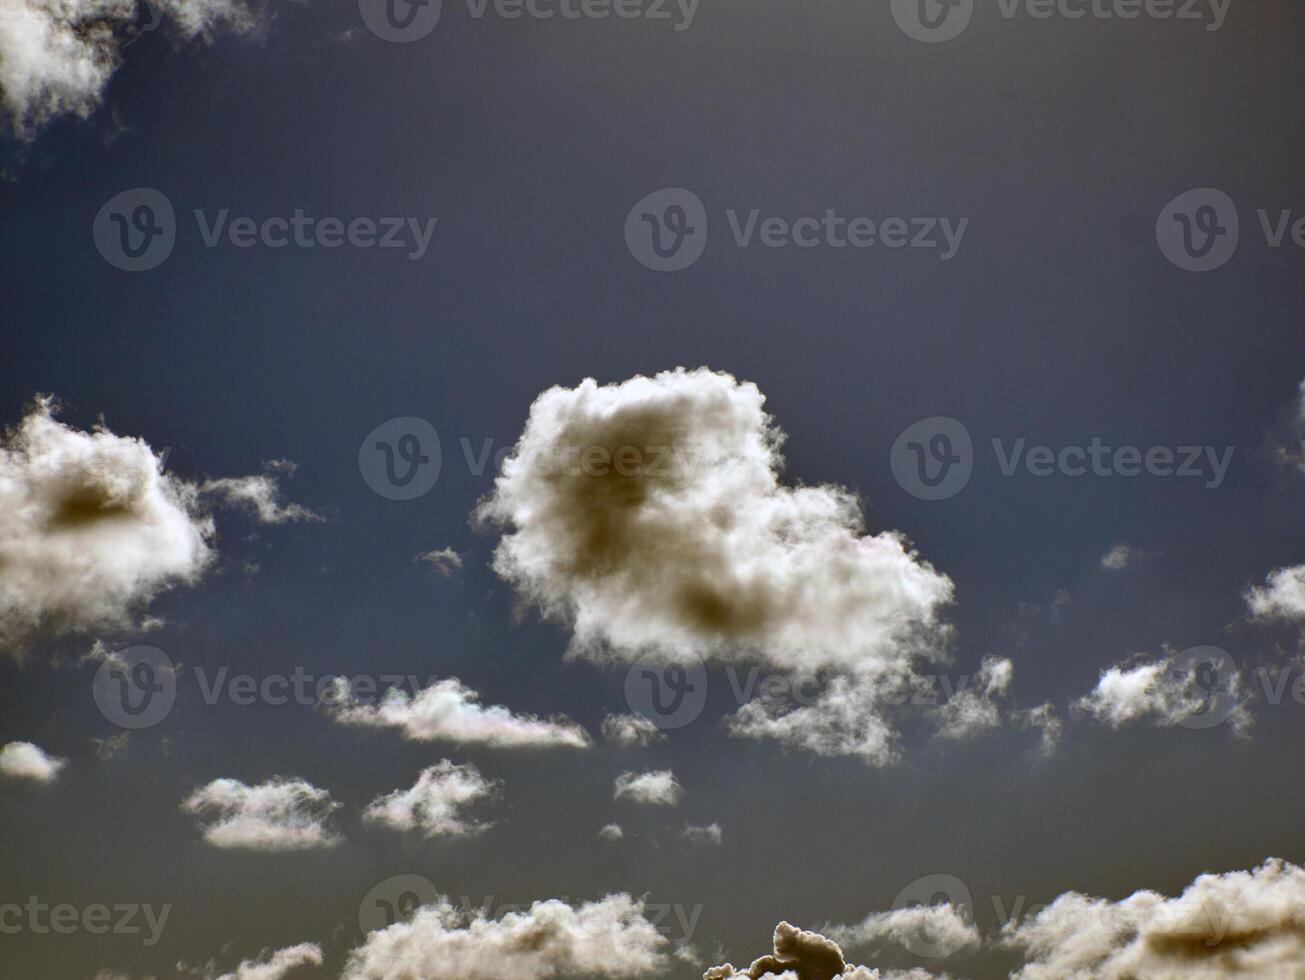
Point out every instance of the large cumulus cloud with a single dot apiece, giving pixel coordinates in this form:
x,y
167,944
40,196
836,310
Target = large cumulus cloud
x,y
1241,924
650,517
91,528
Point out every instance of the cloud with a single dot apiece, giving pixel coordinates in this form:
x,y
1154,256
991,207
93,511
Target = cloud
x,y
278,964
448,711
649,516
975,709
1240,924
611,831
802,955
848,718
1042,717
709,835
610,938
279,815
631,730
91,528
57,56
444,562
947,928
653,788
23,760
1170,691
1281,597
259,495
110,746
435,805
1118,558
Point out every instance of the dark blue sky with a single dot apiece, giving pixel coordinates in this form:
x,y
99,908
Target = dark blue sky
x,y
1059,320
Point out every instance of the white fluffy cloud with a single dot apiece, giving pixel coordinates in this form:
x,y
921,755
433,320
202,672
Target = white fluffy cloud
x,y
1168,692
947,928
1281,597
976,708
708,834
1118,558
610,938
631,730
443,561
611,831
56,56
23,760
91,528
649,516
657,787
279,815
260,495
449,711
277,964
1247,924
850,717
437,803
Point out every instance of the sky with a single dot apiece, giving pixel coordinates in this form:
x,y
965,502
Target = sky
x,y
487,495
